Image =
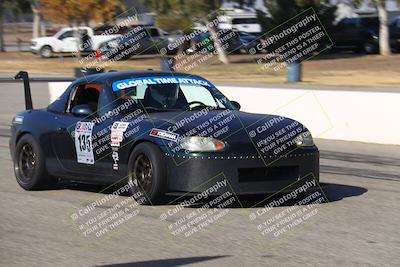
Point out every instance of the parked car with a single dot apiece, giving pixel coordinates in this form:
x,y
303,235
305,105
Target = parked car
x,y
394,28
66,41
234,42
361,34
139,40
249,41
240,20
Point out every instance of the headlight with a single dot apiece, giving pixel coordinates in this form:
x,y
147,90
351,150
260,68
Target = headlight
x,y
202,144
304,139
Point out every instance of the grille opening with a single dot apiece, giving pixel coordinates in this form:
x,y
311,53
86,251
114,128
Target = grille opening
x,y
265,174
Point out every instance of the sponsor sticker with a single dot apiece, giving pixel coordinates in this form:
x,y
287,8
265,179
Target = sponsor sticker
x,y
117,135
124,84
19,119
164,134
117,132
115,157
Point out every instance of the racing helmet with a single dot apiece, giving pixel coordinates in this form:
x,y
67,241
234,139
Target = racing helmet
x,y
165,95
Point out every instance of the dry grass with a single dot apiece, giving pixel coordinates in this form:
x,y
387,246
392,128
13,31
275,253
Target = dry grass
x,y
327,70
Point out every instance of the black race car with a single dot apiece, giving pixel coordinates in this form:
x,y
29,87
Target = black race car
x,y
160,132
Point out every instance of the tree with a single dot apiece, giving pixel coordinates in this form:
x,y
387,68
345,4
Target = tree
x,y
36,18
76,12
2,49
384,39
283,10
181,15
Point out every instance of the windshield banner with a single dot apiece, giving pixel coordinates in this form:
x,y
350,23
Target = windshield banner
x,y
124,84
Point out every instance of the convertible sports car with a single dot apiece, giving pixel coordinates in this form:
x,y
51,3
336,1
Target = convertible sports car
x,y
161,132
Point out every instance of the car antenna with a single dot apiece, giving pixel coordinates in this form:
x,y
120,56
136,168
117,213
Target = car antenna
x,y
23,75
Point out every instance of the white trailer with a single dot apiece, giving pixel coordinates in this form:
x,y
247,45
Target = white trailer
x,y
240,20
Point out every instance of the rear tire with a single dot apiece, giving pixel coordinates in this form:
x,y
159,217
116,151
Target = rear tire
x,y
147,174
29,165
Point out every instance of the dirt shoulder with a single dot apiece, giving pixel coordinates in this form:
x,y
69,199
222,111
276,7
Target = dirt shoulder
x,y
327,70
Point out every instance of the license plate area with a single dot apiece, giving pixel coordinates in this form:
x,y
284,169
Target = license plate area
x,y
267,174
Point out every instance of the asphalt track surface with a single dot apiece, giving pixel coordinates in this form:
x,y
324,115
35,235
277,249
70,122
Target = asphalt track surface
x,y
357,226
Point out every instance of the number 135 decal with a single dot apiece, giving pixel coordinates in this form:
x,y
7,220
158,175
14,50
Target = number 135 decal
x,y
83,142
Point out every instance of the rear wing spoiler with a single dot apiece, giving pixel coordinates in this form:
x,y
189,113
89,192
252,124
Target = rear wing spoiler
x,y
23,76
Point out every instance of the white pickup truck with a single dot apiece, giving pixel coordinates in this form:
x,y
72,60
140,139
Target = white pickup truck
x,y
65,41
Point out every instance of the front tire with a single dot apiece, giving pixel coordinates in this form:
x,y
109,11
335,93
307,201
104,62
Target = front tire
x,y
370,47
46,52
147,173
29,165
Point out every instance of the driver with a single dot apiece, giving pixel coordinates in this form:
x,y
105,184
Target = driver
x,y
163,95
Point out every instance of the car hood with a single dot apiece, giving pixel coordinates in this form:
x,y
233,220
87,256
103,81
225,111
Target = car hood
x,y
43,39
240,130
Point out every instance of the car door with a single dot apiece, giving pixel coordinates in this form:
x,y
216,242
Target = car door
x,y
395,33
347,33
154,41
82,143
68,42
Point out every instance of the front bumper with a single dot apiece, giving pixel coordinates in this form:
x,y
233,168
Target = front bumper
x,y
245,174
12,142
34,49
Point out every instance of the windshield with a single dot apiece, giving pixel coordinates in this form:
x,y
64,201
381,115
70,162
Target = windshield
x,y
61,32
171,94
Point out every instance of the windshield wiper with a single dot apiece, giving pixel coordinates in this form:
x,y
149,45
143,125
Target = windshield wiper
x,y
209,107
218,108
159,109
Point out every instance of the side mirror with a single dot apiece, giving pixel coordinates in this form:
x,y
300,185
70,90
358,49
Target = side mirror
x,y
236,105
83,111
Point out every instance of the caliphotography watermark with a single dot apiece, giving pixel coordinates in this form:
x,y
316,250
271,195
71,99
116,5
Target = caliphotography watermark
x,y
201,210
106,214
275,138
295,40
206,122
204,43
287,212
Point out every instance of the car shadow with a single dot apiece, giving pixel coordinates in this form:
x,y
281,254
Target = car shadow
x,y
166,262
93,188
330,192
